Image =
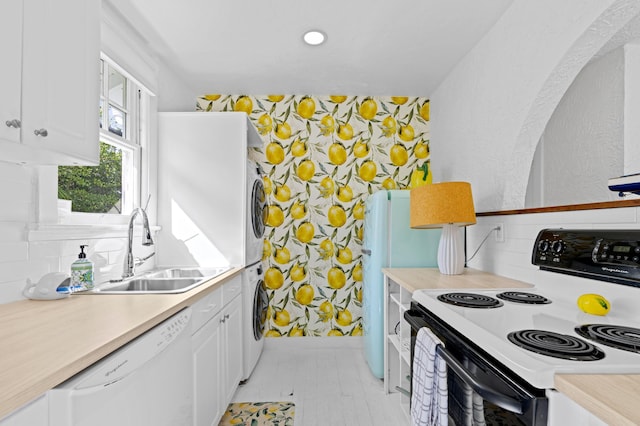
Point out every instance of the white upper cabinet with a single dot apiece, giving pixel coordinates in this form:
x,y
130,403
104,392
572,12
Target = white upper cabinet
x,y
57,90
10,71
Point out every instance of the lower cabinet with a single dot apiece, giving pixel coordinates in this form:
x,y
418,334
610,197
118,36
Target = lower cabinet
x,y
217,353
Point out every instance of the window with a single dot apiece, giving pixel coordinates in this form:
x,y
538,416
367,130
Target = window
x,y
113,185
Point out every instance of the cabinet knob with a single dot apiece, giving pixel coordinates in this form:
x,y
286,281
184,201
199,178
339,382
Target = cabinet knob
x,y
41,132
13,123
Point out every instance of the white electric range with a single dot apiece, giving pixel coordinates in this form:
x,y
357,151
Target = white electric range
x,y
511,342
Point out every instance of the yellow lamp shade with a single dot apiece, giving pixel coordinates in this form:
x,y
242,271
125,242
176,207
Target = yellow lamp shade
x,y
439,204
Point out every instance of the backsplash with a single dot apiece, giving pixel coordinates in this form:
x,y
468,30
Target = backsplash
x,y
322,157
22,258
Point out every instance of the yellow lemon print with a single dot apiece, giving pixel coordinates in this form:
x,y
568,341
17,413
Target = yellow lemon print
x,y
360,233
305,170
283,193
357,273
360,149
345,132
273,278
407,133
327,187
274,153
295,332
345,256
420,176
336,216
275,98
212,97
283,130
298,211
327,125
265,124
389,183
306,108
326,249
282,318
305,294
424,111
399,100
298,148
244,104
368,109
358,211
275,216
338,98
297,273
389,126
282,255
336,278
357,331
266,249
335,333
367,171
273,333
398,155
268,187
305,232
344,318
337,154
421,150
345,194
359,295
325,311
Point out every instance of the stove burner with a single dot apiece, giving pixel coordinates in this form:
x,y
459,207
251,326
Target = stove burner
x,y
616,336
556,345
522,297
470,300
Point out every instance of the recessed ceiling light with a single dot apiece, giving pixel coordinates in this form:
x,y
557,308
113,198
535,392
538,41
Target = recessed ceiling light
x,y
314,37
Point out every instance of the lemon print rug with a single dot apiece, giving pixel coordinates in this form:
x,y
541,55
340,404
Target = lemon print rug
x,y
259,414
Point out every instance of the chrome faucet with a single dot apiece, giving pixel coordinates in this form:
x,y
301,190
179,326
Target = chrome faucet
x,y
130,262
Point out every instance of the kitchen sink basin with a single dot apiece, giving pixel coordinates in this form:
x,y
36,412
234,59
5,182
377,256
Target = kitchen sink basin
x,y
166,281
186,273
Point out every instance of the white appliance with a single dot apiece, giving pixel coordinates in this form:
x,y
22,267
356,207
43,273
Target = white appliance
x,y
256,214
520,338
202,189
146,382
255,303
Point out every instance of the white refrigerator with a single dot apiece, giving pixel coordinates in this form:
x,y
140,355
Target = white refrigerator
x,y
389,242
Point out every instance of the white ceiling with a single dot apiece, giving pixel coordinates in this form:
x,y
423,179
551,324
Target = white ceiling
x,y
374,47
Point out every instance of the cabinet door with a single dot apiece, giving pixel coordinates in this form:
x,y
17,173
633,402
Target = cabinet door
x,y
10,71
207,364
60,80
233,346
34,413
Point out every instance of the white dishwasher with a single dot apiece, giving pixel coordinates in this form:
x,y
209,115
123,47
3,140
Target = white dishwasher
x,y
146,382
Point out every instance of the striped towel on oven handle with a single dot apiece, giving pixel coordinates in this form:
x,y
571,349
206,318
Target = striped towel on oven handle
x,y
429,382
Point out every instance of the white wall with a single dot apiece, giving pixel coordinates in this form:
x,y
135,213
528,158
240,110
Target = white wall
x,y
583,143
496,102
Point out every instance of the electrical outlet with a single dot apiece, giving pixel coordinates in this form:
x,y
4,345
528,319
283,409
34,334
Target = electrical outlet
x,y
500,232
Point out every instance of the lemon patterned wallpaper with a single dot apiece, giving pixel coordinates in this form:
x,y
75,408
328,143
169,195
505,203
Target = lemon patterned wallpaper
x,y
322,157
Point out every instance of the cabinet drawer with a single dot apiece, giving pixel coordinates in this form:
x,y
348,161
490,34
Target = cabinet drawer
x,y
231,289
206,308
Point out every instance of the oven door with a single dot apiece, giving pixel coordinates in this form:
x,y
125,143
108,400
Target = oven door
x,y
478,385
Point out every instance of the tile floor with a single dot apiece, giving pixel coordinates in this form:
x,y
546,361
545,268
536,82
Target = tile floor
x,y
328,380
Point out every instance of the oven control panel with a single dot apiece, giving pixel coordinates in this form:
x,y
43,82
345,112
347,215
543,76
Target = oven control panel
x,y
608,255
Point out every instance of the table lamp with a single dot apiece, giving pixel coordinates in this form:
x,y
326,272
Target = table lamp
x,y
446,205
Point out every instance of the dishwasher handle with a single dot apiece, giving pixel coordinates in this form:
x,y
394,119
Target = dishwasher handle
x,y
484,390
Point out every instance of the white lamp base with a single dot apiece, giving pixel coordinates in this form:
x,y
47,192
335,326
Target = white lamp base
x,y
450,251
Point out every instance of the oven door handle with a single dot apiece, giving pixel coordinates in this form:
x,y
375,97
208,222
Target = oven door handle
x,y
482,389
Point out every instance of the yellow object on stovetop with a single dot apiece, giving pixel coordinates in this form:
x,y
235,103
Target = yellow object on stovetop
x,y
594,304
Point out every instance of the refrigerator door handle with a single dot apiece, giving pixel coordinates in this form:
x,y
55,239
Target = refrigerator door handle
x,y
366,251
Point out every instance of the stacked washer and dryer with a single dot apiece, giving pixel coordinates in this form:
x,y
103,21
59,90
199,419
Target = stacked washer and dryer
x,y
254,294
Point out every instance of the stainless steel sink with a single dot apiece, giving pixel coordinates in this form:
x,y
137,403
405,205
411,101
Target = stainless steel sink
x,y
166,281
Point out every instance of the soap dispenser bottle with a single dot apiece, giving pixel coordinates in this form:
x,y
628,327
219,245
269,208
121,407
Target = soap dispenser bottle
x,y
82,272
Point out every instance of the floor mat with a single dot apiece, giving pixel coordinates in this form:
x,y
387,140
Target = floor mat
x,y
259,414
